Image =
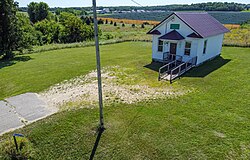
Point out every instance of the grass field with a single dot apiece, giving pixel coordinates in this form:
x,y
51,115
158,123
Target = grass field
x,y
211,122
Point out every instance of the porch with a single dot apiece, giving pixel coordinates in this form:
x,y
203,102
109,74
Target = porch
x,y
174,66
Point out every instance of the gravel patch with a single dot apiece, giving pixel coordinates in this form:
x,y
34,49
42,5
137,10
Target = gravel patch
x,y
84,90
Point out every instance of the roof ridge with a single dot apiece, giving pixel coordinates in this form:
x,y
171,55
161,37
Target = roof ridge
x,y
200,12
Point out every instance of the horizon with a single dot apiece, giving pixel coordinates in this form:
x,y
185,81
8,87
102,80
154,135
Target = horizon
x,y
114,3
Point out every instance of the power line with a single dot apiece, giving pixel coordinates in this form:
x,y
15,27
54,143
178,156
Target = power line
x,y
137,3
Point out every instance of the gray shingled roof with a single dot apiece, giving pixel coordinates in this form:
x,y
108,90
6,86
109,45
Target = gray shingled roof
x,y
200,22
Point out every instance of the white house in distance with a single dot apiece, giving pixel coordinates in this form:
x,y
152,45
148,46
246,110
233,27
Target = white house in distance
x,y
186,37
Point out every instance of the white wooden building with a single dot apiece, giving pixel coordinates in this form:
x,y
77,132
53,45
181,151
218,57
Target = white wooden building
x,y
186,37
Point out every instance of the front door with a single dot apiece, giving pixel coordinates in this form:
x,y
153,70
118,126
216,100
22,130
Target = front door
x,y
173,47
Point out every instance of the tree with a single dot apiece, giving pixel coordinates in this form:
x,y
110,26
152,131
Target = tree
x,y
26,35
58,11
38,11
100,21
32,11
42,11
8,28
74,29
51,31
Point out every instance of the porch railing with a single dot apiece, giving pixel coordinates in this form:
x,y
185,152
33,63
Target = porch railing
x,y
167,56
166,68
182,68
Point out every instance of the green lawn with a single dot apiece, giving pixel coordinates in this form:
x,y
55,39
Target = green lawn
x,y
36,72
212,122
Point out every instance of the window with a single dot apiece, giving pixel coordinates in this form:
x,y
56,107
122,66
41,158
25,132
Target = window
x,y
160,46
205,47
174,26
188,48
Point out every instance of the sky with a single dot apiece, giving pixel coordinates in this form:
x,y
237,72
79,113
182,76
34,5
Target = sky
x,y
87,3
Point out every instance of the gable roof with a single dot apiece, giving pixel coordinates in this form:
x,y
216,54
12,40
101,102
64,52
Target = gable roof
x,y
173,35
194,35
201,22
156,32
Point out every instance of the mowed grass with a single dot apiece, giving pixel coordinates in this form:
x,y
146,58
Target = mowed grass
x,y
212,122
36,72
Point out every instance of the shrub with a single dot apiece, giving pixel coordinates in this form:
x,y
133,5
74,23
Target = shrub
x,y
108,36
74,30
133,25
115,24
111,22
142,26
123,25
100,21
51,31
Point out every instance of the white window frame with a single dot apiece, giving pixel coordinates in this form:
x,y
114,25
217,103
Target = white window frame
x,y
160,45
188,49
205,46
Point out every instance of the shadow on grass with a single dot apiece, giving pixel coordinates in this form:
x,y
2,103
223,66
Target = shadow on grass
x,y
6,63
207,68
98,138
155,66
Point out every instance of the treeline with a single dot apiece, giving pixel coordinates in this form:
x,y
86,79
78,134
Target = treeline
x,y
19,31
209,6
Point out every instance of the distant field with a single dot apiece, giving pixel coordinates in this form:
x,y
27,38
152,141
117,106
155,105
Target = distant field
x,y
129,21
223,17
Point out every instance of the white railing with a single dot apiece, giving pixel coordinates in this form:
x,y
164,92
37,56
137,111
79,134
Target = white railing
x,y
167,68
167,56
182,68
164,70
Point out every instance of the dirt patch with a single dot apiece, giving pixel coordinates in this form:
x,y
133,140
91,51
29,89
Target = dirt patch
x,y
83,90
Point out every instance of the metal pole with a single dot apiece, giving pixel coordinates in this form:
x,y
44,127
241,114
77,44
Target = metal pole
x,y
98,66
15,143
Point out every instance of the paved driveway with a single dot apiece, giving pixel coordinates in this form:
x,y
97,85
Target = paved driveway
x,y
17,111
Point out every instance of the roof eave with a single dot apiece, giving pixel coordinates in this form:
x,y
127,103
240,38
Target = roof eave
x,y
161,22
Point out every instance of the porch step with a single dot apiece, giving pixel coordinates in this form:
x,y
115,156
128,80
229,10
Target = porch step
x,y
167,77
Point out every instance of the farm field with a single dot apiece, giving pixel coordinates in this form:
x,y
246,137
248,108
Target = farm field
x,y
239,36
211,121
223,17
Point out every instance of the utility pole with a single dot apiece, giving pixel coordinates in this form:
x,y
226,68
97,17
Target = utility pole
x,y
98,66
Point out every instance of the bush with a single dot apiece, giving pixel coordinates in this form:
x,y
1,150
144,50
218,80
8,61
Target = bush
x,y
111,22
123,25
108,36
133,25
74,30
142,26
51,31
115,24
100,21
106,21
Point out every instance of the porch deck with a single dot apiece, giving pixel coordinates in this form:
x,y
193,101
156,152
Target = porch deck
x,y
174,66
